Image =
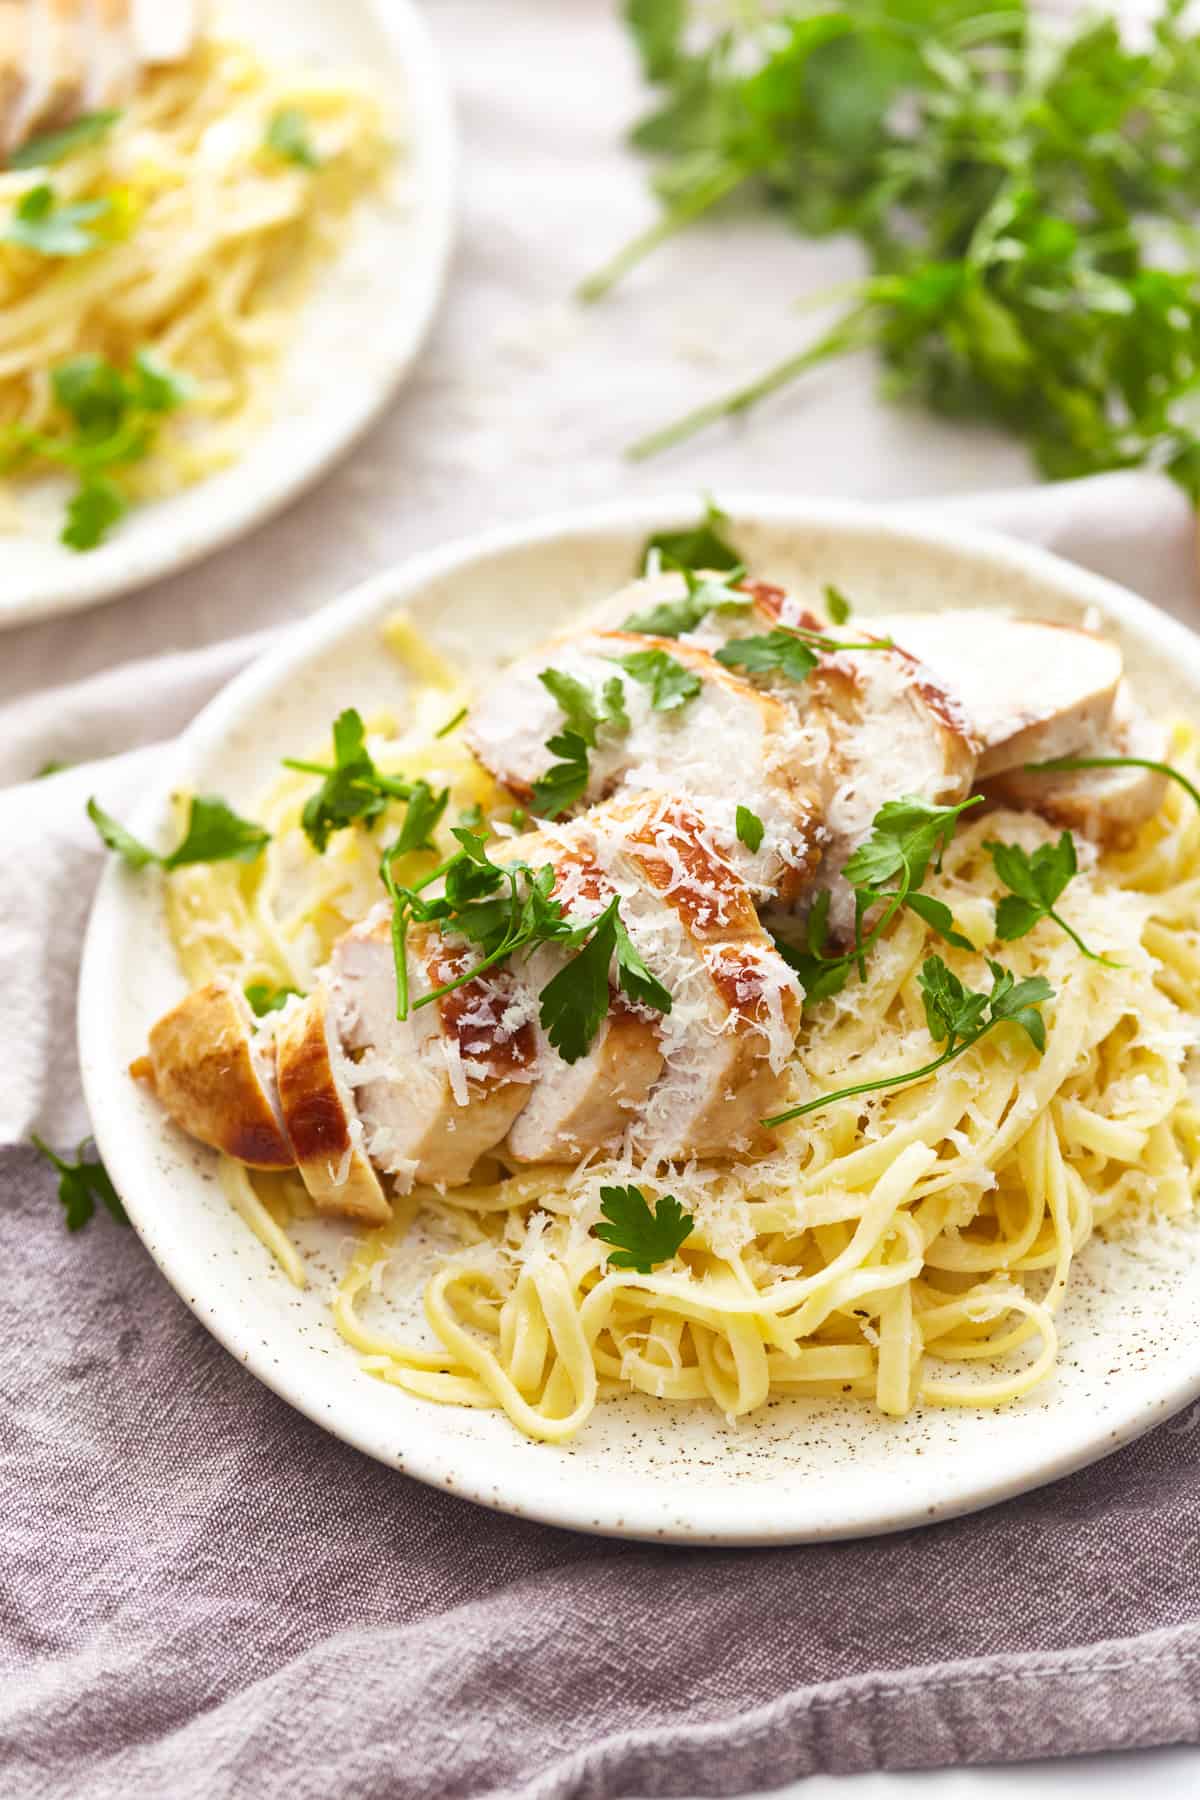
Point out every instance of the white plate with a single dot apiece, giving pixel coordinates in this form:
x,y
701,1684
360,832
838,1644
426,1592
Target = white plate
x,y
801,1469
358,335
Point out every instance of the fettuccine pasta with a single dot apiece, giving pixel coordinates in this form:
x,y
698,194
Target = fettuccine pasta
x,y
911,1248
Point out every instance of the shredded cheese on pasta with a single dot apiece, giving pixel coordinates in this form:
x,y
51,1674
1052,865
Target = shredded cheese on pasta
x,y
912,1248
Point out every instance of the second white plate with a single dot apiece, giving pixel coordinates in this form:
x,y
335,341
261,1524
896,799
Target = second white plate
x,y
358,335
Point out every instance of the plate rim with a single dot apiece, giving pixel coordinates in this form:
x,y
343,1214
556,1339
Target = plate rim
x,y
453,1464
430,120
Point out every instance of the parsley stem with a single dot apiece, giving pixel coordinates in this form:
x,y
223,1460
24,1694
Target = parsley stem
x,y
370,784
400,958
831,646
854,332
450,724
47,1152
705,195
307,768
1092,955
1068,763
433,874
871,1087
509,945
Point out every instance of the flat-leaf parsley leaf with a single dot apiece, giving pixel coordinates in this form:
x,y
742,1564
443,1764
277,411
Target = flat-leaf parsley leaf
x,y
641,1239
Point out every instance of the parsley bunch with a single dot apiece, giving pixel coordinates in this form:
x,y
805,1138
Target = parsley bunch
x,y
958,1017
1023,194
111,421
506,908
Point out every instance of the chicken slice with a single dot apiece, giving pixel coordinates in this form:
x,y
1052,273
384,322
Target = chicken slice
x,y
439,1089
1107,805
588,1105
56,69
872,724
1030,688
112,59
164,30
728,746
213,1069
878,728
14,57
580,1107
317,1101
735,1004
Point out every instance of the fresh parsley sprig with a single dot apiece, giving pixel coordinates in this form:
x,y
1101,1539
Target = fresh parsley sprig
x,y
778,651
40,221
352,789
288,137
701,546
264,999
641,1238
1067,763
113,419
1035,882
573,1003
717,592
958,1017
81,1184
749,828
671,685
836,604
1020,197
214,833
507,908
565,782
887,869
53,146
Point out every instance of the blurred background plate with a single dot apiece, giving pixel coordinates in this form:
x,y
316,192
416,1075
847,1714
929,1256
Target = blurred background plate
x,y
355,339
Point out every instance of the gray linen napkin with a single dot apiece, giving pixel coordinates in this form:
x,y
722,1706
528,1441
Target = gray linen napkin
x,y
204,1595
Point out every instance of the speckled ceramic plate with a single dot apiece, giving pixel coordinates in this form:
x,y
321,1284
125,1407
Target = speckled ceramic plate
x,y
360,330
801,1469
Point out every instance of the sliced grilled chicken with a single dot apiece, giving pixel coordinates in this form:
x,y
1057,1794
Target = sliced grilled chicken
x,y
56,70
735,1004
877,728
580,1107
213,1068
317,1102
164,30
61,58
112,61
727,746
439,1089
1030,688
14,60
872,723
1107,805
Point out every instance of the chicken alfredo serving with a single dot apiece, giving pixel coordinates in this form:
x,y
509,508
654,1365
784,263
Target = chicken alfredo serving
x,y
748,999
